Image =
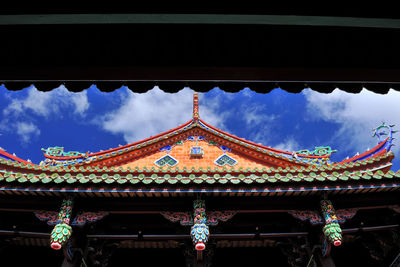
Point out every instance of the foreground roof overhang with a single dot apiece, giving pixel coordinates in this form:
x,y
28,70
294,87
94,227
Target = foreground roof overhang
x,y
203,48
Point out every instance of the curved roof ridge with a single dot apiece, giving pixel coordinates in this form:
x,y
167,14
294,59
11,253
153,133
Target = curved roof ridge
x,y
379,148
124,146
6,155
258,145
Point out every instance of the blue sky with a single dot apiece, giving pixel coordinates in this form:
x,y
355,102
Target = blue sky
x,y
94,121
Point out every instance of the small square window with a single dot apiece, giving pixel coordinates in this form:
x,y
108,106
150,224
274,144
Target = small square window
x,y
196,151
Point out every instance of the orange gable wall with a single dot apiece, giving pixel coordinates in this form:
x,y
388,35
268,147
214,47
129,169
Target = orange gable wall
x,y
181,153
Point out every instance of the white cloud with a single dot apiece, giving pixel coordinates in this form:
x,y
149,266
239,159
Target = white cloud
x,y
254,115
356,114
26,130
143,115
289,144
17,114
48,103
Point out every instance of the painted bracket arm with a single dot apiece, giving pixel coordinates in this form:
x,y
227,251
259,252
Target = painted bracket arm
x,y
314,218
214,217
332,230
184,218
306,215
84,217
44,215
62,231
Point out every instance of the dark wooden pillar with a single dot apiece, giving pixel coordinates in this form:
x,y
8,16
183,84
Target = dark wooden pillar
x,y
323,261
322,252
99,252
196,259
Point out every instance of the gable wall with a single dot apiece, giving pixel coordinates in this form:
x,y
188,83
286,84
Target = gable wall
x,y
181,153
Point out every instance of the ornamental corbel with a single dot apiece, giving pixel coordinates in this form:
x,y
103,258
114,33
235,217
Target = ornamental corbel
x,y
332,230
62,231
199,231
200,221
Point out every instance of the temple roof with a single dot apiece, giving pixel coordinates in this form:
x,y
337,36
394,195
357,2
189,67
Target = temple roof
x,y
196,154
210,141
178,145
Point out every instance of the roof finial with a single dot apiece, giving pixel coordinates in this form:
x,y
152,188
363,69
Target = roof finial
x,y
195,106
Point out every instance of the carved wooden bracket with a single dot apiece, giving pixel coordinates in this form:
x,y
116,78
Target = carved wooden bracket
x,y
215,216
315,218
185,218
80,220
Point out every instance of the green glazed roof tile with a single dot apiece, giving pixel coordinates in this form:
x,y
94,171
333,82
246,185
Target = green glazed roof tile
x,y
260,180
109,180
172,181
210,180
96,180
388,176
58,180
71,180
147,180
134,180
46,180
10,178
365,176
223,180
332,178
248,180
186,180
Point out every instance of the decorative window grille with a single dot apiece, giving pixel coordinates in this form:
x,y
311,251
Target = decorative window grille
x,y
225,159
166,160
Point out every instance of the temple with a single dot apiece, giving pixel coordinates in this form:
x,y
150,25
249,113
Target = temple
x,y
199,196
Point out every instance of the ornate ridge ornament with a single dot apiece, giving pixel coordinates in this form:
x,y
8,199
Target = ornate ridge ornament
x,y
385,131
318,151
58,151
332,230
199,231
62,231
196,106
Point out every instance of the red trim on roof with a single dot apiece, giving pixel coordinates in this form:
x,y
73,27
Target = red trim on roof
x,y
368,152
258,145
2,152
121,147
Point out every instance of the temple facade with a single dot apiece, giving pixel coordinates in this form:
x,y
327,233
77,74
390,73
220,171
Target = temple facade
x,y
198,196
